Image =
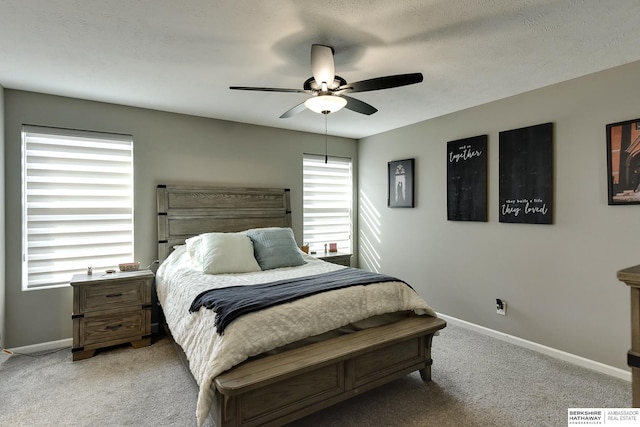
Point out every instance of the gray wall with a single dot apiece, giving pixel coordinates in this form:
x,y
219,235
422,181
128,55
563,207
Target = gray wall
x,y
2,246
168,148
559,280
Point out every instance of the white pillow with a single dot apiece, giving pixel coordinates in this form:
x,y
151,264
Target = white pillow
x,y
227,253
193,247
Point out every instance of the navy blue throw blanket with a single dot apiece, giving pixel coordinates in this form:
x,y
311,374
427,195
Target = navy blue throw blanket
x,y
235,301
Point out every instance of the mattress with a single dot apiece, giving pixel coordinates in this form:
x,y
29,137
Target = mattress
x,y
210,354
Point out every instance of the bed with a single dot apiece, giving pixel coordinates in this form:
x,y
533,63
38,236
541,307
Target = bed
x,y
284,361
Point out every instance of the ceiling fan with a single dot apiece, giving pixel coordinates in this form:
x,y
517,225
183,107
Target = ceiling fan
x,y
328,90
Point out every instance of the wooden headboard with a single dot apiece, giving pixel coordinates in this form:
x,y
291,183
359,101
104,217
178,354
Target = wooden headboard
x,y
186,211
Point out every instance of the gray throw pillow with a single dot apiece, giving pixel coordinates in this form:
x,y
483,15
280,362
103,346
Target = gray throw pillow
x,y
275,247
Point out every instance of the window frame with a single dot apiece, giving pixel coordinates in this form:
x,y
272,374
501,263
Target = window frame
x,y
315,242
92,204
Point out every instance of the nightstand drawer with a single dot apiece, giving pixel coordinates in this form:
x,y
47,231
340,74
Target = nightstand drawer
x,y
110,295
339,258
101,329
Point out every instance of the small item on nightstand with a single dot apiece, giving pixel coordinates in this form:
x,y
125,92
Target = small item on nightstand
x,y
325,248
333,247
109,271
89,271
129,266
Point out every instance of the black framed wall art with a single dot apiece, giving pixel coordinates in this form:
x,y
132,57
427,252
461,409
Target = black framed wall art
x,y
623,162
467,179
526,175
400,183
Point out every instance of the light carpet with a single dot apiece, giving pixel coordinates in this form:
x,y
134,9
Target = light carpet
x,y
477,381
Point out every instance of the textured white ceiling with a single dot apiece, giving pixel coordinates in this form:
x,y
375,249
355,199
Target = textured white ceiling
x,y
182,56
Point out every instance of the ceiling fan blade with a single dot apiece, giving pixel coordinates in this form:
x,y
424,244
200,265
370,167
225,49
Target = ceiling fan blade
x,y
359,106
386,82
322,64
293,111
267,89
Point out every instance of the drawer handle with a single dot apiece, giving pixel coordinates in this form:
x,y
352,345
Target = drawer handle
x,y
114,295
114,327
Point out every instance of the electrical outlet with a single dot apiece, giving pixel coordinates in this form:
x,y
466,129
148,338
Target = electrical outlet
x,y
501,307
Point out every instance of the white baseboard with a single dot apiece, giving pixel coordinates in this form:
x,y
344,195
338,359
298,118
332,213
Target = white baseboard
x,y
45,346
549,351
558,354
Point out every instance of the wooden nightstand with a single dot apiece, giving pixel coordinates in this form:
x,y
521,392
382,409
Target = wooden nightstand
x,y
110,309
339,258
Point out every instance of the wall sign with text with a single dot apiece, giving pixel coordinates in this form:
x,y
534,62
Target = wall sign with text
x,y
526,175
467,179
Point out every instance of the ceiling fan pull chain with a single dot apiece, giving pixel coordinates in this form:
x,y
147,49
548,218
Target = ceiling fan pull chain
x,y
326,155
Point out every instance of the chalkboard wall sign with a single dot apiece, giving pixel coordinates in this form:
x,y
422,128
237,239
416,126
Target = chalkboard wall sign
x,y
526,175
467,179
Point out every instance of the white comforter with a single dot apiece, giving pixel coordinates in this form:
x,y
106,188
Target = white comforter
x,y
210,354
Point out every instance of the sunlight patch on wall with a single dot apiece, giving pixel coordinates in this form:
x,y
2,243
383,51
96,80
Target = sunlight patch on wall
x,y
370,235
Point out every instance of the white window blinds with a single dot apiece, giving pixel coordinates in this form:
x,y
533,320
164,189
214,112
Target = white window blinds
x,y
328,189
77,203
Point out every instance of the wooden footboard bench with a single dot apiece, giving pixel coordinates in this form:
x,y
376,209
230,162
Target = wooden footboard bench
x,y
280,388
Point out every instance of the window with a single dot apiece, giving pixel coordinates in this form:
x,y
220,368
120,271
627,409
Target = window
x,y
77,203
327,189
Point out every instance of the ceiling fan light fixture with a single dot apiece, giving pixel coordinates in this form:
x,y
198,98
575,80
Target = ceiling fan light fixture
x,y
323,103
